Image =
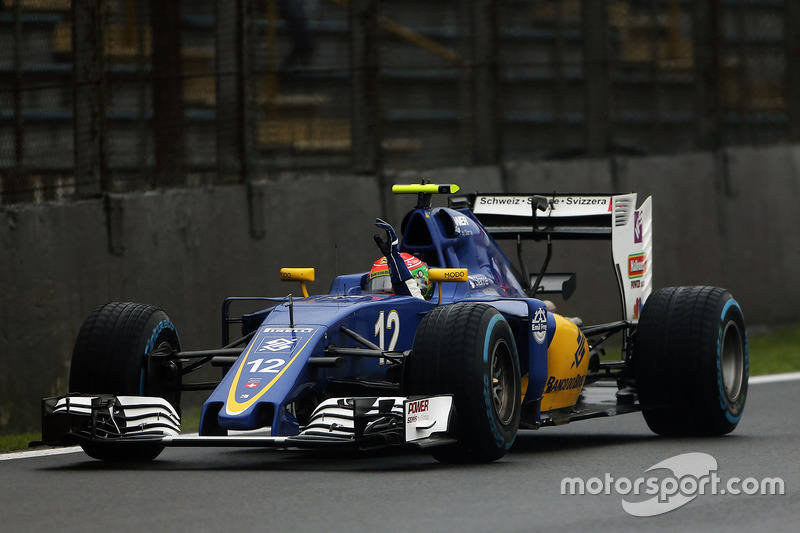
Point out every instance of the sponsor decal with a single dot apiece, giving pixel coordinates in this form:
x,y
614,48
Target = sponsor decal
x,y
462,225
457,275
418,406
559,206
287,330
580,352
580,206
539,325
637,227
582,201
505,200
558,385
637,308
277,345
637,263
252,383
586,201
518,206
417,411
637,284
478,281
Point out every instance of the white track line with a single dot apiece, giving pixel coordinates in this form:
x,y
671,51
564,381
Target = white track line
x,y
774,378
757,380
39,453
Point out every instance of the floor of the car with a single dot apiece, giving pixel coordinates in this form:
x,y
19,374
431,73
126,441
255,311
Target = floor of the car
x,y
602,398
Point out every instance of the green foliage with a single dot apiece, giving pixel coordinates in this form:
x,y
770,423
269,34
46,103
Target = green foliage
x,y
10,443
776,351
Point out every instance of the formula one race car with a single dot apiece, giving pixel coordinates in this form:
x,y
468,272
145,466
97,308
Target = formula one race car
x,y
456,363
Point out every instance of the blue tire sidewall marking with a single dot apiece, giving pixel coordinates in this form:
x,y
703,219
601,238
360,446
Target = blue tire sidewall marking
x,y
161,326
738,406
499,439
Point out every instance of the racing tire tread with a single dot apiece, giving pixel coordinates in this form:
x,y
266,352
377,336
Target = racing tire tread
x,y
110,356
677,362
447,357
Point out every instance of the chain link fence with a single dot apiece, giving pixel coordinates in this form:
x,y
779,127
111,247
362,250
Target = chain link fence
x,y
104,96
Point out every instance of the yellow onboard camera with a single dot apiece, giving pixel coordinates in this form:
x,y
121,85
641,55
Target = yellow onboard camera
x,y
298,274
442,275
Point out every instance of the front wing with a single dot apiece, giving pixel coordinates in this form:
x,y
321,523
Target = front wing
x,y
363,423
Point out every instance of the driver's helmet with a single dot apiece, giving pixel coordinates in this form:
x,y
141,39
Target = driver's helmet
x,y
379,279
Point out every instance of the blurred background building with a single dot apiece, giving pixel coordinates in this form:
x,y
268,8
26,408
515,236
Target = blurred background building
x,y
102,96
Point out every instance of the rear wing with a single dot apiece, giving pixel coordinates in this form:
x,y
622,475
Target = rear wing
x,y
614,217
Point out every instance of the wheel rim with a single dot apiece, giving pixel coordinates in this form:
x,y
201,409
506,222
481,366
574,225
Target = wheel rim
x,y
502,382
732,361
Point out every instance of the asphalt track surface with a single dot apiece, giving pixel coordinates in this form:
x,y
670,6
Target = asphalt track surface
x,y
238,490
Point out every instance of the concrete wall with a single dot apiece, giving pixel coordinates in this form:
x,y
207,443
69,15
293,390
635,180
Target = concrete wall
x,y
728,219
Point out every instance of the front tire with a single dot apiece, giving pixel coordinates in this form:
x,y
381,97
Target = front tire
x,y
112,355
468,350
691,361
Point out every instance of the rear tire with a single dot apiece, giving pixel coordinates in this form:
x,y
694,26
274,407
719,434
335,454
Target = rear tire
x,y
468,350
690,361
112,356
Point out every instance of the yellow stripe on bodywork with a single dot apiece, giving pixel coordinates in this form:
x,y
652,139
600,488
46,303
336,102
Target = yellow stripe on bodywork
x,y
233,407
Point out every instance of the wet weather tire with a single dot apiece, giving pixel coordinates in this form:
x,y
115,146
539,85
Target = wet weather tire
x,y
112,356
468,350
691,361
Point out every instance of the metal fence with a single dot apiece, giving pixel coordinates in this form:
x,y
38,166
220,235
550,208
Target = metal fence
x,y
102,96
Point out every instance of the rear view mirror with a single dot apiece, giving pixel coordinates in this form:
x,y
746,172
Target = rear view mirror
x,y
562,283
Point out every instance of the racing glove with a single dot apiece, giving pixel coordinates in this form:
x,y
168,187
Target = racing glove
x,y
402,281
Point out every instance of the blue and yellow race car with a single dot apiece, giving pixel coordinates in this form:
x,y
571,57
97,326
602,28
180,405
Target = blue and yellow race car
x,y
445,344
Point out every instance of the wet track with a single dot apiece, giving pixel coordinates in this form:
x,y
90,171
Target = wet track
x,y
255,490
